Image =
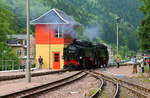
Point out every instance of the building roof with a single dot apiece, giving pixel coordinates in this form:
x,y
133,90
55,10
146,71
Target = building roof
x,y
13,41
18,36
54,16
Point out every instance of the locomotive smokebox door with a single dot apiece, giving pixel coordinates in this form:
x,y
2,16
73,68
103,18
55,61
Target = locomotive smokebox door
x,y
56,60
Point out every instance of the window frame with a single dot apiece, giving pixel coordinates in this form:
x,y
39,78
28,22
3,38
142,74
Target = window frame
x,y
59,32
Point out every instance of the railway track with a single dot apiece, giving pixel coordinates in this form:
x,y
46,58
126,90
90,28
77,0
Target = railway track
x,y
95,95
103,82
45,87
136,89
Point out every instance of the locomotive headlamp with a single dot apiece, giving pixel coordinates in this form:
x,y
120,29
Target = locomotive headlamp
x,y
80,57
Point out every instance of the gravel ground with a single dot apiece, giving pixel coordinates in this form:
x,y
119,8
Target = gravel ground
x,y
124,93
108,90
125,73
76,89
137,81
21,84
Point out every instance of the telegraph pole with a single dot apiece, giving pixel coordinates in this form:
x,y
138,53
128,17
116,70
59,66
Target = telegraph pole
x,y
28,72
117,22
117,38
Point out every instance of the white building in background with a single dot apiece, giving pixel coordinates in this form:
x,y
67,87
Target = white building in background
x,y
18,43
110,51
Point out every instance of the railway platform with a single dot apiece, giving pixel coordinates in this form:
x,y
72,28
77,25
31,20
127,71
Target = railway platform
x,y
125,71
20,74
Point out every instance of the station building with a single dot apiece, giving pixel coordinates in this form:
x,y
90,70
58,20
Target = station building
x,y
54,30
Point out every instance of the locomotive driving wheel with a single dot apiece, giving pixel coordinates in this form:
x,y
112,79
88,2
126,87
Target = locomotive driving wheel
x,y
84,64
97,63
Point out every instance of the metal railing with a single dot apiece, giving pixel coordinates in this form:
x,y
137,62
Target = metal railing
x,y
6,65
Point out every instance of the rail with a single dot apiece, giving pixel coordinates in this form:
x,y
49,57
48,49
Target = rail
x,y
97,93
47,86
115,94
122,84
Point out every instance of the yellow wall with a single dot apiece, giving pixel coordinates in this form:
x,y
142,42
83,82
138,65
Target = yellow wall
x,y
57,48
43,51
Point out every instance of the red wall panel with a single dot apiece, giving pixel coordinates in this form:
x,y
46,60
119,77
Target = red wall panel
x,y
45,34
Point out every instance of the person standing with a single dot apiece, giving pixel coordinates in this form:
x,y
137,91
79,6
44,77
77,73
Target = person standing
x,y
118,62
23,63
148,62
40,61
134,60
141,61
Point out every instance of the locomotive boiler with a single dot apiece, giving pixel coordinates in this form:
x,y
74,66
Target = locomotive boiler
x,y
84,54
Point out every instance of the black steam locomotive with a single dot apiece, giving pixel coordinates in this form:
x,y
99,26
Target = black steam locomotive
x,y
84,54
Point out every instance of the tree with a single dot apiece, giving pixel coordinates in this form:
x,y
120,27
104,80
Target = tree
x,y
144,31
6,18
90,13
5,24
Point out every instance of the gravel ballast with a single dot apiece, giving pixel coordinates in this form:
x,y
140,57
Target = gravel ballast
x,y
76,89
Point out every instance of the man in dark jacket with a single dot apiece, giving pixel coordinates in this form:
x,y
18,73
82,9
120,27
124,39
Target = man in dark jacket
x,y
40,61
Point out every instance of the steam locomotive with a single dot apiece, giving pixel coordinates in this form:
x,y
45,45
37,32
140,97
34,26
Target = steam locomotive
x,y
84,54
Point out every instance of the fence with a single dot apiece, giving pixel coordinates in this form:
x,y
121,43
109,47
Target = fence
x,y
6,65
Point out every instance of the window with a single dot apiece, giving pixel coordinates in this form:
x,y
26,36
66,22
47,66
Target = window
x,y
25,42
19,42
25,51
19,52
56,57
58,32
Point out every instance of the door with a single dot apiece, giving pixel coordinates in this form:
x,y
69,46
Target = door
x,y
56,60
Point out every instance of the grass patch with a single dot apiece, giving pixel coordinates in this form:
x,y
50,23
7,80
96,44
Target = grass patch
x,y
146,68
105,95
93,91
143,78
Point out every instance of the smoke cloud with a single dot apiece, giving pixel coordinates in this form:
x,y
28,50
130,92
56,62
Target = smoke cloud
x,y
92,32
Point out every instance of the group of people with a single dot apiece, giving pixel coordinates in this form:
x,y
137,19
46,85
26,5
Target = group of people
x,y
135,62
141,62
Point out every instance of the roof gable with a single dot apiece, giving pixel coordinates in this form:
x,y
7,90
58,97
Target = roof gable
x,y
54,16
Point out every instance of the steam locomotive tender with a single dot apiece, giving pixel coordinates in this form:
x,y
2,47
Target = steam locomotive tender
x,y
84,54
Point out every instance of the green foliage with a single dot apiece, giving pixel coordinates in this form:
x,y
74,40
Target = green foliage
x,y
90,13
6,52
124,52
93,91
144,30
126,9
6,18
105,12
5,24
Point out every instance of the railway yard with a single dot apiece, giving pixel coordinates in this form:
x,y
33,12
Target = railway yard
x,y
74,49
95,83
